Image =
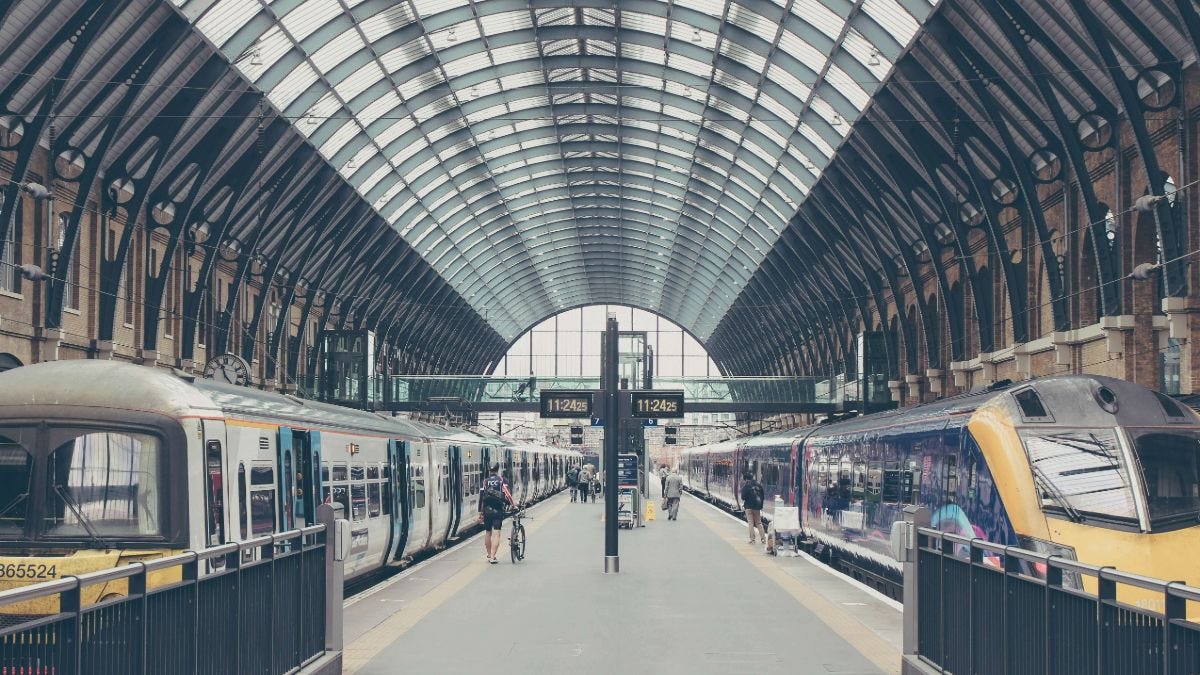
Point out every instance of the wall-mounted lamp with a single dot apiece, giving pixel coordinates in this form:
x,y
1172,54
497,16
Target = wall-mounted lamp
x,y
1145,271
1148,203
36,190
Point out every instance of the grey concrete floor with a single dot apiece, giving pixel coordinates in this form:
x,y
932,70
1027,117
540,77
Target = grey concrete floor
x,y
692,597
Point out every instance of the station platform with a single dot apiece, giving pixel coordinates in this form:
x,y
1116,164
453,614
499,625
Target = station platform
x,y
693,596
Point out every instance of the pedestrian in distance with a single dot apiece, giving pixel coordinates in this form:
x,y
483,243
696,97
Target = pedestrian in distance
x,y
662,475
573,481
752,502
672,492
585,482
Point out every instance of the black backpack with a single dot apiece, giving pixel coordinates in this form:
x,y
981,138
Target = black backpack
x,y
573,475
754,500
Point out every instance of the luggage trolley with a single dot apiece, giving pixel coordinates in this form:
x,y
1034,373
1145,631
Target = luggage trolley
x,y
784,533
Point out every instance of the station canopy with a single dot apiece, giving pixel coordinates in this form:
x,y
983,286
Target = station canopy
x,y
545,155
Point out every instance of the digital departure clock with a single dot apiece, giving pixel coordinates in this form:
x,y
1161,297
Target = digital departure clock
x,y
564,404
655,404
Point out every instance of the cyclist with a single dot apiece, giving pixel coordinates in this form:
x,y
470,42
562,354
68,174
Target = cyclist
x,y
494,498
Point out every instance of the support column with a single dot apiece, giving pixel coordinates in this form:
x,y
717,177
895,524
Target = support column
x,y
612,430
934,375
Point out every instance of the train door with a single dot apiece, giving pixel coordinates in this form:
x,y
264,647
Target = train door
x,y
215,488
455,501
398,460
420,479
306,447
286,480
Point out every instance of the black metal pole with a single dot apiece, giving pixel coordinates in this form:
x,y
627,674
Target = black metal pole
x,y
612,430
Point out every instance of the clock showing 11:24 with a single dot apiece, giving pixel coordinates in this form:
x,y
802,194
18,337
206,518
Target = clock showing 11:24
x,y
229,368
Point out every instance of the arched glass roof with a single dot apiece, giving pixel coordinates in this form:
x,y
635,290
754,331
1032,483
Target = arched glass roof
x,y
544,154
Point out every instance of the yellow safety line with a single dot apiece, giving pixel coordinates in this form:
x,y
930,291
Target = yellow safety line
x,y
874,648
360,652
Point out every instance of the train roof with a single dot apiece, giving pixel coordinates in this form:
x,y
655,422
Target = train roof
x,y
1070,398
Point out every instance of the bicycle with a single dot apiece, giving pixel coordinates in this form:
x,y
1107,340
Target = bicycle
x,y
516,538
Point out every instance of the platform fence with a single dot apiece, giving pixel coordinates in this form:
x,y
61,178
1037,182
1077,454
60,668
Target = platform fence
x,y
972,606
251,607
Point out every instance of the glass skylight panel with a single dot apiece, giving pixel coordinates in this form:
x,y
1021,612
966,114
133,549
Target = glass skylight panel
x,y
503,22
893,18
818,14
387,21
405,55
751,21
226,18
359,81
429,8
701,69
862,50
467,64
338,50
788,81
339,139
268,48
381,106
797,48
373,180
847,86
785,116
290,87
711,7
816,139
309,16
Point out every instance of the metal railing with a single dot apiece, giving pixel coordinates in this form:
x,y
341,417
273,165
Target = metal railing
x,y
251,607
972,606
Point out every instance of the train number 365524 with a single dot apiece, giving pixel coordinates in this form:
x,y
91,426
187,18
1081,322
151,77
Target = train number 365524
x,y
28,571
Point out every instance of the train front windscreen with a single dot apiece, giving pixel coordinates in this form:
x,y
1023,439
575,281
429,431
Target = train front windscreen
x,y
61,484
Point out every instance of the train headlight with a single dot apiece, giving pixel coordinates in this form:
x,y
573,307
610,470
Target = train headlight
x,y
1070,579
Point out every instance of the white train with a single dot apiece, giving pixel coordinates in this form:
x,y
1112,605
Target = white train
x,y
103,463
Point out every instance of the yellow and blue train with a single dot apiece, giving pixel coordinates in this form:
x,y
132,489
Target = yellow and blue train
x,y
1091,468
104,463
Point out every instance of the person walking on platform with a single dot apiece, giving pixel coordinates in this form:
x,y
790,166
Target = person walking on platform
x,y
662,475
585,482
752,502
494,497
672,492
573,481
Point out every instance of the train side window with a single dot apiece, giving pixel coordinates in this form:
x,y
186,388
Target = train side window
x,y
1032,408
215,473
324,473
339,472
951,479
372,473
243,498
358,493
16,474
262,500
417,492
371,498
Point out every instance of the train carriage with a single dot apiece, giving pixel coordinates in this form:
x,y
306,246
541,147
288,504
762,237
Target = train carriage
x,y
1085,467
104,463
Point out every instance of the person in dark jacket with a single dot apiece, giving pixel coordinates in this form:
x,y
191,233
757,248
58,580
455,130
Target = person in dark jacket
x,y
752,502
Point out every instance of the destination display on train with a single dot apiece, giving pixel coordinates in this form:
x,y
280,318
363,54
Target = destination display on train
x,y
657,404
562,404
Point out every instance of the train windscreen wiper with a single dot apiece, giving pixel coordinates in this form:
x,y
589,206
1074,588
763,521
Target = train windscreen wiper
x,y
83,520
1048,488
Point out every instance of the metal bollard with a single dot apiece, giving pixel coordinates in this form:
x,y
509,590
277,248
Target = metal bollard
x,y
914,517
329,515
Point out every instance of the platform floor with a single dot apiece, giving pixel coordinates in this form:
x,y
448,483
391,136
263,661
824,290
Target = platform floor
x,y
692,597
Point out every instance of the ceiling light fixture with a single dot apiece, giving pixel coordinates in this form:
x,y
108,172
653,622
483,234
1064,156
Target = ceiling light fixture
x,y
837,120
696,35
450,36
874,60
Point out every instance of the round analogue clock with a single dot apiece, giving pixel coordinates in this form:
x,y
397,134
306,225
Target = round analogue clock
x,y
229,368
